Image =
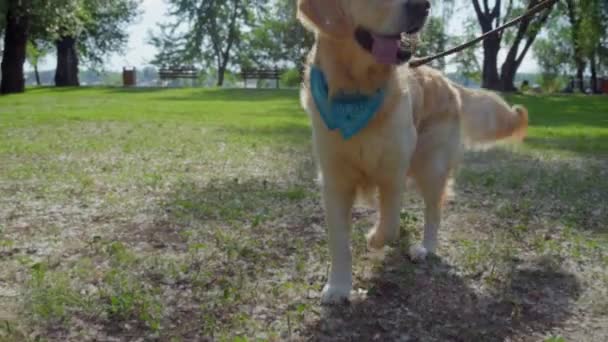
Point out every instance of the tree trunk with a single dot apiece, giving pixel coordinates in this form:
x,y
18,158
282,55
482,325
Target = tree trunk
x,y
220,76
491,79
575,22
594,83
509,70
528,30
37,74
580,76
66,74
15,42
225,55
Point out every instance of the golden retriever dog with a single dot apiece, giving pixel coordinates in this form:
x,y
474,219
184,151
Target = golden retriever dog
x,y
376,122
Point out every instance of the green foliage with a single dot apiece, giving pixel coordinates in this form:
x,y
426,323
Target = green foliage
x,y
205,33
554,53
551,83
434,40
291,78
576,36
466,61
106,29
37,51
277,39
100,27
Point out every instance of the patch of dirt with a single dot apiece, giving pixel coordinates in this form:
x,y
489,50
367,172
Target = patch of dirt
x,y
225,252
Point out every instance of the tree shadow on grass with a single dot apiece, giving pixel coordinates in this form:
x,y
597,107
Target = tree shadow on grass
x,y
430,302
523,188
269,223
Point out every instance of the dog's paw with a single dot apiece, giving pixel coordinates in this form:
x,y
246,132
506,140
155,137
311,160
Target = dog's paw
x,y
335,294
375,240
418,253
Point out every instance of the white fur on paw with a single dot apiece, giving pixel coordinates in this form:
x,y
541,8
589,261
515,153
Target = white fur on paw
x,y
418,253
374,243
335,294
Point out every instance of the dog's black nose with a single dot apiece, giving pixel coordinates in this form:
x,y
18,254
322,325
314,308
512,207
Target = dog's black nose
x,y
418,7
416,12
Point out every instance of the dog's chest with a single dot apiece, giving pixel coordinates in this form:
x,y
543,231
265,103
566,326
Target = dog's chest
x,y
378,149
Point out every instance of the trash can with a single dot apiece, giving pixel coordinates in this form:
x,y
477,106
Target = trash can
x,y
129,77
604,85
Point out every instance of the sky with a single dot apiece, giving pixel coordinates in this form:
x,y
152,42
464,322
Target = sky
x,y
139,53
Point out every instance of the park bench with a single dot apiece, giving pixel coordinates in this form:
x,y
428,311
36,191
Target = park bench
x,y
261,74
173,73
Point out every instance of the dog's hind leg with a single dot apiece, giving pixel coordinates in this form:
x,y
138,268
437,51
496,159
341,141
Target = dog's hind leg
x,y
387,228
338,199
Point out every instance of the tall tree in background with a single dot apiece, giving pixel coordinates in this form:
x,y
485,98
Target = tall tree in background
x,y
205,32
575,16
278,39
88,29
490,17
434,40
435,36
36,51
593,30
466,61
17,21
554,53
576,40
78,28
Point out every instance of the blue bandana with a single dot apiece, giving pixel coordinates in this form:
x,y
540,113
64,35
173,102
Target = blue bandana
x,y
348,113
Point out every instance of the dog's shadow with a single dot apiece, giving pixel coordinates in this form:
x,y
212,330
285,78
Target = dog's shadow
x,y
432,302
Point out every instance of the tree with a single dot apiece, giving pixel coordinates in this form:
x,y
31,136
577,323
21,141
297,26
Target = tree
x,y
17,21
434,36
490,17
434,40
553,53
88,30
36,51
205,32
593,30
99,27
277,39
466,61
576,40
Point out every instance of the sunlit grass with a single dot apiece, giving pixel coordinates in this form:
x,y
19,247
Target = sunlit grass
x,y
191,214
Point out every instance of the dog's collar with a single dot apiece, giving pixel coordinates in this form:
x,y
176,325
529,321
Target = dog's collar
x,y
385,50
349,113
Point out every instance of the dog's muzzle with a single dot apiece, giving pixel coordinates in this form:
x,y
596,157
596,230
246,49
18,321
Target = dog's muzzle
x,y
389,50
398,48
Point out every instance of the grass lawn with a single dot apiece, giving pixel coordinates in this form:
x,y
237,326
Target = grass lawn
x,y
188,214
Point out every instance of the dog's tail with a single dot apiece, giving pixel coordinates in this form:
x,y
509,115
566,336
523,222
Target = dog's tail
x,y
487,118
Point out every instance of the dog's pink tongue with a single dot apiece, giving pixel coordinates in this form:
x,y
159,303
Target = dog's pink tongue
x,y
385,49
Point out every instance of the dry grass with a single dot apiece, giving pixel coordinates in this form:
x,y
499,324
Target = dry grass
x,y
183,215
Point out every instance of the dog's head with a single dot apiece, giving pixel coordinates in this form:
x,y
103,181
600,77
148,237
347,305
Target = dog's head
x,y
378,26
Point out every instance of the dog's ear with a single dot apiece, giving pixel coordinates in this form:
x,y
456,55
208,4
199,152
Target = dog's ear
x,y
326,17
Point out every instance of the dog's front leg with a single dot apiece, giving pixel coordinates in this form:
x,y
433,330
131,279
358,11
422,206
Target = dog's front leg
x,y
338,204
